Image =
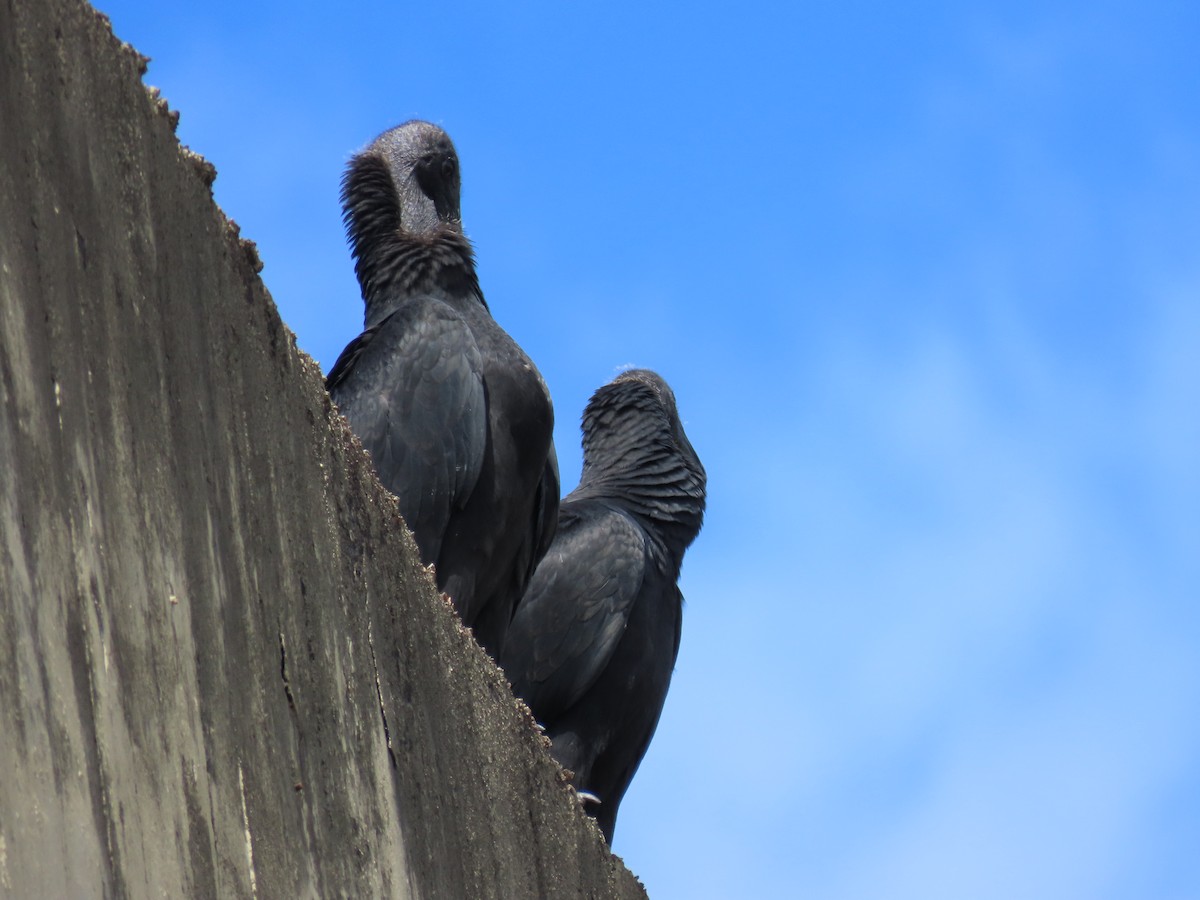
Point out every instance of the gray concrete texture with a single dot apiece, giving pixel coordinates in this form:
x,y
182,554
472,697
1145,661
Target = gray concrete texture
x,y
223,671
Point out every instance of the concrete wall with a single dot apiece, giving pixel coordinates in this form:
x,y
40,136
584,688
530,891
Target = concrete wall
x,y
222,671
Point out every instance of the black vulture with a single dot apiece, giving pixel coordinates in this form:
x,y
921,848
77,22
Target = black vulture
x,y
595,637
456,417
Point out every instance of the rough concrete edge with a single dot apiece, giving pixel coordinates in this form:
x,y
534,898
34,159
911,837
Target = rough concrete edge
x,y
521,719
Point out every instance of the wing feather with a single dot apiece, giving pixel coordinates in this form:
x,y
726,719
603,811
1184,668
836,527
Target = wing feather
x,y
412,389
576,608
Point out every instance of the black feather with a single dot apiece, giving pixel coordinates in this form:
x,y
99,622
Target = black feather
x,y
596,635
456,417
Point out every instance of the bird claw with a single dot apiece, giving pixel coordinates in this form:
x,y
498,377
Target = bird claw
x,y
586,797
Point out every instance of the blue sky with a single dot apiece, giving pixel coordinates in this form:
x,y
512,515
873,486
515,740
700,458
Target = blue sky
x,y
926,281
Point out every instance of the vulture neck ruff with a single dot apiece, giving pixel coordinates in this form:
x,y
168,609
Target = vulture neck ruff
x,y
636,455
392,263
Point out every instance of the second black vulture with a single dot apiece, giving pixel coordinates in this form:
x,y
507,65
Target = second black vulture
x,y
456,417
595,637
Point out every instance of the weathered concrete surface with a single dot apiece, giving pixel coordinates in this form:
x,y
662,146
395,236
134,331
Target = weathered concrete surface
x,y
222,672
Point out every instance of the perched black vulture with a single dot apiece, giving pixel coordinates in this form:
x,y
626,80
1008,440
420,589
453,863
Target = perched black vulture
x,y
595,637
456,417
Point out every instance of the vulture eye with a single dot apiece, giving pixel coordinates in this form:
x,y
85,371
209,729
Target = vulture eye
x,y
447,166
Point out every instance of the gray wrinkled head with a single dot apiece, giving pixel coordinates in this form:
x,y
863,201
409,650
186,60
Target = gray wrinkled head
x,y
635,450
400,203
652,384
424,167
652,381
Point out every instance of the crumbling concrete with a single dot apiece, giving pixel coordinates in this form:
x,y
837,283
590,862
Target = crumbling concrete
x,y
222,670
